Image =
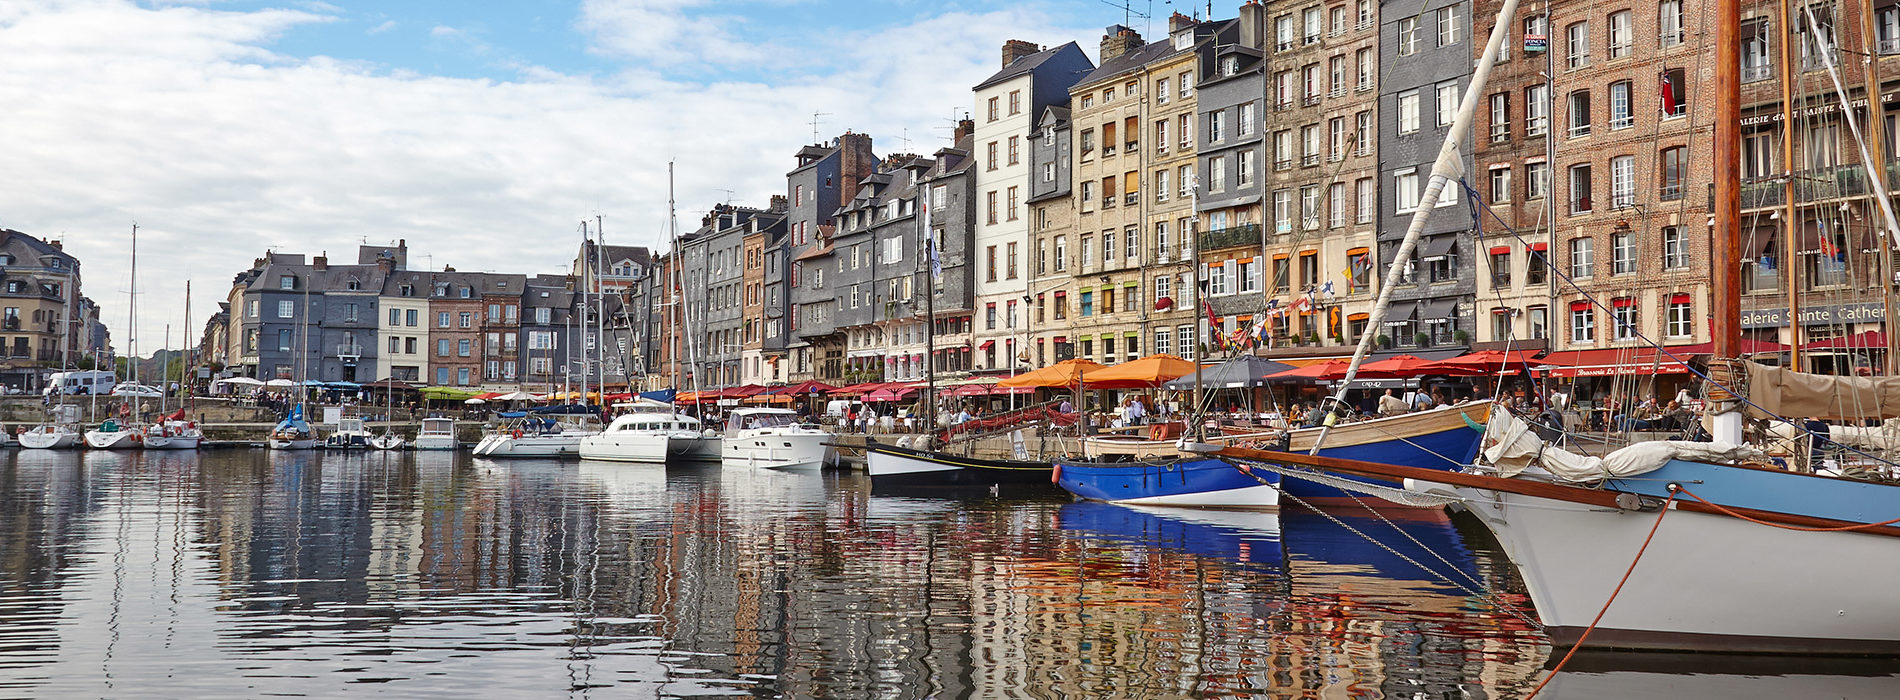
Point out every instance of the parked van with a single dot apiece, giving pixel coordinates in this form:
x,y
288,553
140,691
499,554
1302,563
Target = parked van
x,y
81,383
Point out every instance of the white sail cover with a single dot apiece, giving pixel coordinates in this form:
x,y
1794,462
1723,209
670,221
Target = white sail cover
x,y
1511,446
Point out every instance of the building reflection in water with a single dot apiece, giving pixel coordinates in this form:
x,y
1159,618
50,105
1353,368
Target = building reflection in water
x,y
239,573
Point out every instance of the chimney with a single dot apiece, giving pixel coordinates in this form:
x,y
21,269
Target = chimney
x,y
780,203
386,264
448,268
1252,25
1119,40
322,262
965,128
856,162
1180,21
1017,48
57,245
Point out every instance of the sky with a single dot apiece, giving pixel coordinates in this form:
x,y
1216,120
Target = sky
x,y
483,133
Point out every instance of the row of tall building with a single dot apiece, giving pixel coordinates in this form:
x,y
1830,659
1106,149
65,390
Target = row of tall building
x,y
1236,185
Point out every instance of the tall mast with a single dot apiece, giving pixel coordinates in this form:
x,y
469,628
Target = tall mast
x,y
1790,222
184,381
673,294
587,274
1443,170
600,304
932,263
131,318
1877,143
1726,239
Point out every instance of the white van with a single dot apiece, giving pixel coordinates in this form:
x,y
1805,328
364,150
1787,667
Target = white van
x,y
81,383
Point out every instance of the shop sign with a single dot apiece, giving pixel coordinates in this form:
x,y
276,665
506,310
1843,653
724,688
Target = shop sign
x,y
1815,315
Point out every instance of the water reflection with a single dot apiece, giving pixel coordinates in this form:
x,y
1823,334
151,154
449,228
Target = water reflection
x,y
247,573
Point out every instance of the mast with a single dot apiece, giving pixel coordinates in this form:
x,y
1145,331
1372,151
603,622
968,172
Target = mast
x,y
164,374
131,319
930,314
1443,170
600,305
587,270
1726,241
673,294
183,382
1790,224
1877,142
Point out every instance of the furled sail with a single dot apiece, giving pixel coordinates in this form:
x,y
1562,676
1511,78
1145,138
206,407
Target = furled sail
x,y
1787,393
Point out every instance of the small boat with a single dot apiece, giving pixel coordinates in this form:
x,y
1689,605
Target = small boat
x,y
1445,438
387,441
772,438
292,433
49,436
349,435
173,432
113,435
892,466
546,431
1179,481
436,434
652,437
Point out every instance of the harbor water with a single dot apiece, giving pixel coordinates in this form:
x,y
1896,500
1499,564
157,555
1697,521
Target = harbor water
x,y
245,573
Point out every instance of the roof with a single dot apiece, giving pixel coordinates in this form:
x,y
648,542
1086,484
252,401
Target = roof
x,y
1127,62
1025,65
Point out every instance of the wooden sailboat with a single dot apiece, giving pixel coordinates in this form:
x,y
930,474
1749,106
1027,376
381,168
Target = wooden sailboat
x,y
1674,545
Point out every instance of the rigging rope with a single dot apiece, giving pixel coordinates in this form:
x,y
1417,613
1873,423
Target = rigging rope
x,y
1663,512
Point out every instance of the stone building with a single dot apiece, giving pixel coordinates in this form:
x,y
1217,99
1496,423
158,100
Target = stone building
x,y
825,175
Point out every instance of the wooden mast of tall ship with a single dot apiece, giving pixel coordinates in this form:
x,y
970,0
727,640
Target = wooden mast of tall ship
x,y
1725,240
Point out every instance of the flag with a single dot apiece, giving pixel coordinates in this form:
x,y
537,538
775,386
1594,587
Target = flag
x,y
1212,319
930,238
1327,288
1668,94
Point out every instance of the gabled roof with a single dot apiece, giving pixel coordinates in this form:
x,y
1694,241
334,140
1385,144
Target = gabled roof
x,y
1025,65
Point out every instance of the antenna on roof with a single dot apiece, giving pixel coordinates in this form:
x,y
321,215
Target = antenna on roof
x,y
814,125
904,135
729,194
1128,10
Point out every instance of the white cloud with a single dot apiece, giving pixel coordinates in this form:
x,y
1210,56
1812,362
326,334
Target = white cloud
x,y
380,28
184,120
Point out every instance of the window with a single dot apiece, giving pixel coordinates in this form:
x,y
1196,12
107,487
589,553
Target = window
x,y
1217,174
1309,207
1087,306
1536,179
1336,205
1621,34
1675,249
1015,150
1309,84
283,340
1108,248
1579,113
1161,91
1500,117
1161,136
994,113
1163,185
1620,117
1282,211
1675,93
1580,189
1088,141
1368,196
1245,121
442,319
1622,182
1185,334
1405,190
1336,139
1013,198
461,376
1282,150
1622,253
467,319
1536,110
1163,341
989,274
1447,102
1187,85
989,316
1623,317
1246,275
1501,267
1336,68
1216,126
1048,173
1312,24
1015,102
991,206
991,146
1186,131
1368,71
1582,257
1447,26
1062,253
442,347
1283,32
395,317
1756,63
1087,251
1501,184
286,282
1408,111
1408,36
1578,37
1669,22
1309,145
1583,323
286,309
1362,134
1011,257
1681,320
1671,168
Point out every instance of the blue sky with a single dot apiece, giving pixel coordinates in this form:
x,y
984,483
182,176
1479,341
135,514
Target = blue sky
x,y
481,132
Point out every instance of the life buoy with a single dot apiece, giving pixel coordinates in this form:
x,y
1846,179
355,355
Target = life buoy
x,y
517,433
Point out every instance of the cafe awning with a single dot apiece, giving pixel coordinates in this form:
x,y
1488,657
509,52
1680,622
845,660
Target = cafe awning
x,y
1609,362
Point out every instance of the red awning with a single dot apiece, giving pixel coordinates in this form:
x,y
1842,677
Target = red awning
x,y
987,344
1614,361
1858,341
1500,250
1540,246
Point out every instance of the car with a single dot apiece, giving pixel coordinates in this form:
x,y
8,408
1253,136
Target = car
x,y
136,390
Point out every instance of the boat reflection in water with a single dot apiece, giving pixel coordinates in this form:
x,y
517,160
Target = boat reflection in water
x,y
245,572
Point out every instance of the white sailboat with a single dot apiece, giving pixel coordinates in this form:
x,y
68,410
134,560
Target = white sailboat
x,y
58,433
113,435
174,431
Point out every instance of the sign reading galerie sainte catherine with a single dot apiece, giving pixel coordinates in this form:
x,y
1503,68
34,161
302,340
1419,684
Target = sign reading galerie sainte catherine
x,y
1817,315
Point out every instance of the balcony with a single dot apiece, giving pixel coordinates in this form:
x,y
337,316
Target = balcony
x,y
11,323
1132,146
1500,133
1310,100
350,351
1758,73
1108,151
1283,164
1282,105
1108,202
1161,255
1131,198
1888,47
1309,160
1244,234
1809,186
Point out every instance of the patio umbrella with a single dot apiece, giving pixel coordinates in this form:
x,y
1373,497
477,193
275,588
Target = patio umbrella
x,y
1137,374
1318,371
242,381
1397,366
515,396
280,382
1243,371
475,401
1061,374
1484,362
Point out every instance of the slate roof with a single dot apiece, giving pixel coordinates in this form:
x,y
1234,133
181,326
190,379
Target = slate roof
x,y
1025,65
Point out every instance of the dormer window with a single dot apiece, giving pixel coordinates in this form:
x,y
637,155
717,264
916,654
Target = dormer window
x,y
1230,65
16,287
287,282
1183,41
354,285
501,284
408,290
6,259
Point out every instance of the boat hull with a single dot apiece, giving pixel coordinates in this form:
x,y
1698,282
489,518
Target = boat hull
x,y
1708,582
800,450
650,447
507,445
1208,483
902,468
291,444
124,439
176,442
37,439
434,442
386,442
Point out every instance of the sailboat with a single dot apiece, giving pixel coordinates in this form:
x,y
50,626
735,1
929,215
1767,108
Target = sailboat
x,y
1679,545
294,432
111,434
58,432
388,439
175,431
